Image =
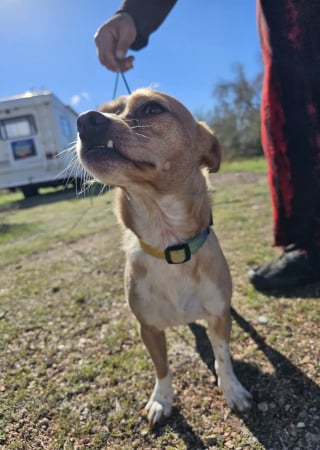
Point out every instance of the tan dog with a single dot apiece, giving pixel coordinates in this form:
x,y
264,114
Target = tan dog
x,y
150,146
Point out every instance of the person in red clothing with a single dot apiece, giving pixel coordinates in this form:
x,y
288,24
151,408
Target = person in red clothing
x,y
290,120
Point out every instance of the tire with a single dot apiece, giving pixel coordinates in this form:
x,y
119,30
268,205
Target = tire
x,y
29,191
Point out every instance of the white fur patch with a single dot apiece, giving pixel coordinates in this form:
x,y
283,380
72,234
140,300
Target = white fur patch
x,y
160,402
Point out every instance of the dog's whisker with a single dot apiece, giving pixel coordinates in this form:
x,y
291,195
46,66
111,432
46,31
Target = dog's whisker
x,y
141,126
141,135
73,169
137,125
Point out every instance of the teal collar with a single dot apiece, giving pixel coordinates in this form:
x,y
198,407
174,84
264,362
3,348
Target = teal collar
x,y
179,253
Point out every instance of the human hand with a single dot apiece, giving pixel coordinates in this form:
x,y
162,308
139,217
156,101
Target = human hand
x,y
113,39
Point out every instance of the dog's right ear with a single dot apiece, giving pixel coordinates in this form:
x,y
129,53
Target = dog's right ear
x,y
209,147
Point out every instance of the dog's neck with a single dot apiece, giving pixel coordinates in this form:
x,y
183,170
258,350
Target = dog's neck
x,y
161,220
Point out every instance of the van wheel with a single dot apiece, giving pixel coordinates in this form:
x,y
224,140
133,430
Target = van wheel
x,y
29,191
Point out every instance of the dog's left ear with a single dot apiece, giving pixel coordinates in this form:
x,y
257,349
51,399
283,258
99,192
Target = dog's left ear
x,y
209,147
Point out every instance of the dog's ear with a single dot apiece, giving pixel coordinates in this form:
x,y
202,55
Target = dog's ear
x,y
209,147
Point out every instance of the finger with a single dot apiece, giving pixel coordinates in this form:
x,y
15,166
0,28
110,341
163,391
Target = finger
x,y
122,47
105,44
125,64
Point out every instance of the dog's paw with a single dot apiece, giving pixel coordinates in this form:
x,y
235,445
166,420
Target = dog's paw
x,y
155,410
160,403
237,397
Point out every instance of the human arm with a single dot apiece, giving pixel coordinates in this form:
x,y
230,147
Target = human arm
x,y
130,27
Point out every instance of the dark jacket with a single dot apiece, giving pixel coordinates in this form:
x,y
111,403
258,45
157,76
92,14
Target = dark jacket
x,y
147,16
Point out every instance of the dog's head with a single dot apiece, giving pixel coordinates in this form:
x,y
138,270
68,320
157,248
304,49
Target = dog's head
x,y
146,137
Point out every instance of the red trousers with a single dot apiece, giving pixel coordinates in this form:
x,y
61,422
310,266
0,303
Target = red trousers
x,y
290,112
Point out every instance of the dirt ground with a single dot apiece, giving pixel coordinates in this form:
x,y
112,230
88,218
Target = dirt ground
x,y
74,373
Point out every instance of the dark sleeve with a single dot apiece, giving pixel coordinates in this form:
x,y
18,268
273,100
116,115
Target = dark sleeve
x,y
147,15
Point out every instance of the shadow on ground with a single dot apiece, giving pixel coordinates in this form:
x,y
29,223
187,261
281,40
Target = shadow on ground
x,y
68,193
41,199
290,400
307,291
286,409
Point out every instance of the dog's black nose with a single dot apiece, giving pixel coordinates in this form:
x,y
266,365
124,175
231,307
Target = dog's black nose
x,y
92,126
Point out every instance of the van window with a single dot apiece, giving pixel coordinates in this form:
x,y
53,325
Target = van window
x,y
65,127
17,127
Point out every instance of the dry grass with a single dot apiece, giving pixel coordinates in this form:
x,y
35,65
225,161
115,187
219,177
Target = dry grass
x,y
74,374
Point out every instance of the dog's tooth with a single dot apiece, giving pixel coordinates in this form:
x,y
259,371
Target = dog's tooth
x,y
110,143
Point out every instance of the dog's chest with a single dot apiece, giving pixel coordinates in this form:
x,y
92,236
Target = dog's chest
x,y
167,299
168,296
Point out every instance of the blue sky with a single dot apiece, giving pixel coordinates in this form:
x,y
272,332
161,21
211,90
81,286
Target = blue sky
x,y
48,44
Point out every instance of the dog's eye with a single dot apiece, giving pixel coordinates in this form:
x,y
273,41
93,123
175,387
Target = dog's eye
x,y
152,108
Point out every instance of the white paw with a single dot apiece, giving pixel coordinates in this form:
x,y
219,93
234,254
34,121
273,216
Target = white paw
x,y
155,410
237,397
160,403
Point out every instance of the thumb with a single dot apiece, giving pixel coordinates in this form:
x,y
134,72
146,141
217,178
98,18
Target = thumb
x,y
122,48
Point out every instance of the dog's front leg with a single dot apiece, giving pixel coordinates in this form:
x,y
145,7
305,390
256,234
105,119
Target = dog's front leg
x,y
219,331
160,402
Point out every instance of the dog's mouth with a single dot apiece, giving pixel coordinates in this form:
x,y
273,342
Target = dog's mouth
x,y
107,149
109,152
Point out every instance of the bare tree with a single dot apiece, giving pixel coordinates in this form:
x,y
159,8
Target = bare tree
x,y
236,116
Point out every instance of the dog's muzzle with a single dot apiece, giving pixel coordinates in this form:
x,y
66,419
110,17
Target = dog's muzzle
x,y
93,128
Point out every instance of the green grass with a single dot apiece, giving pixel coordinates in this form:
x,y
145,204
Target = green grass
x,y
74,372
252,165
34,225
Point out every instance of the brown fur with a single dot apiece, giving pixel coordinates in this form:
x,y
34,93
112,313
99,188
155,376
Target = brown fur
x,y
150,146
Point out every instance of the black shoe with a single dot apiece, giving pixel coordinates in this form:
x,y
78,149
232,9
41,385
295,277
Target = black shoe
x,y
294,268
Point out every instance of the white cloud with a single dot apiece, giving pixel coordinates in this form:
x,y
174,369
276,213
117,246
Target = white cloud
x,y
154,85
77,98
85,95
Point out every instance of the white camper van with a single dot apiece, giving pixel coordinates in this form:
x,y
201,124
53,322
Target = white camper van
x,y
35,129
